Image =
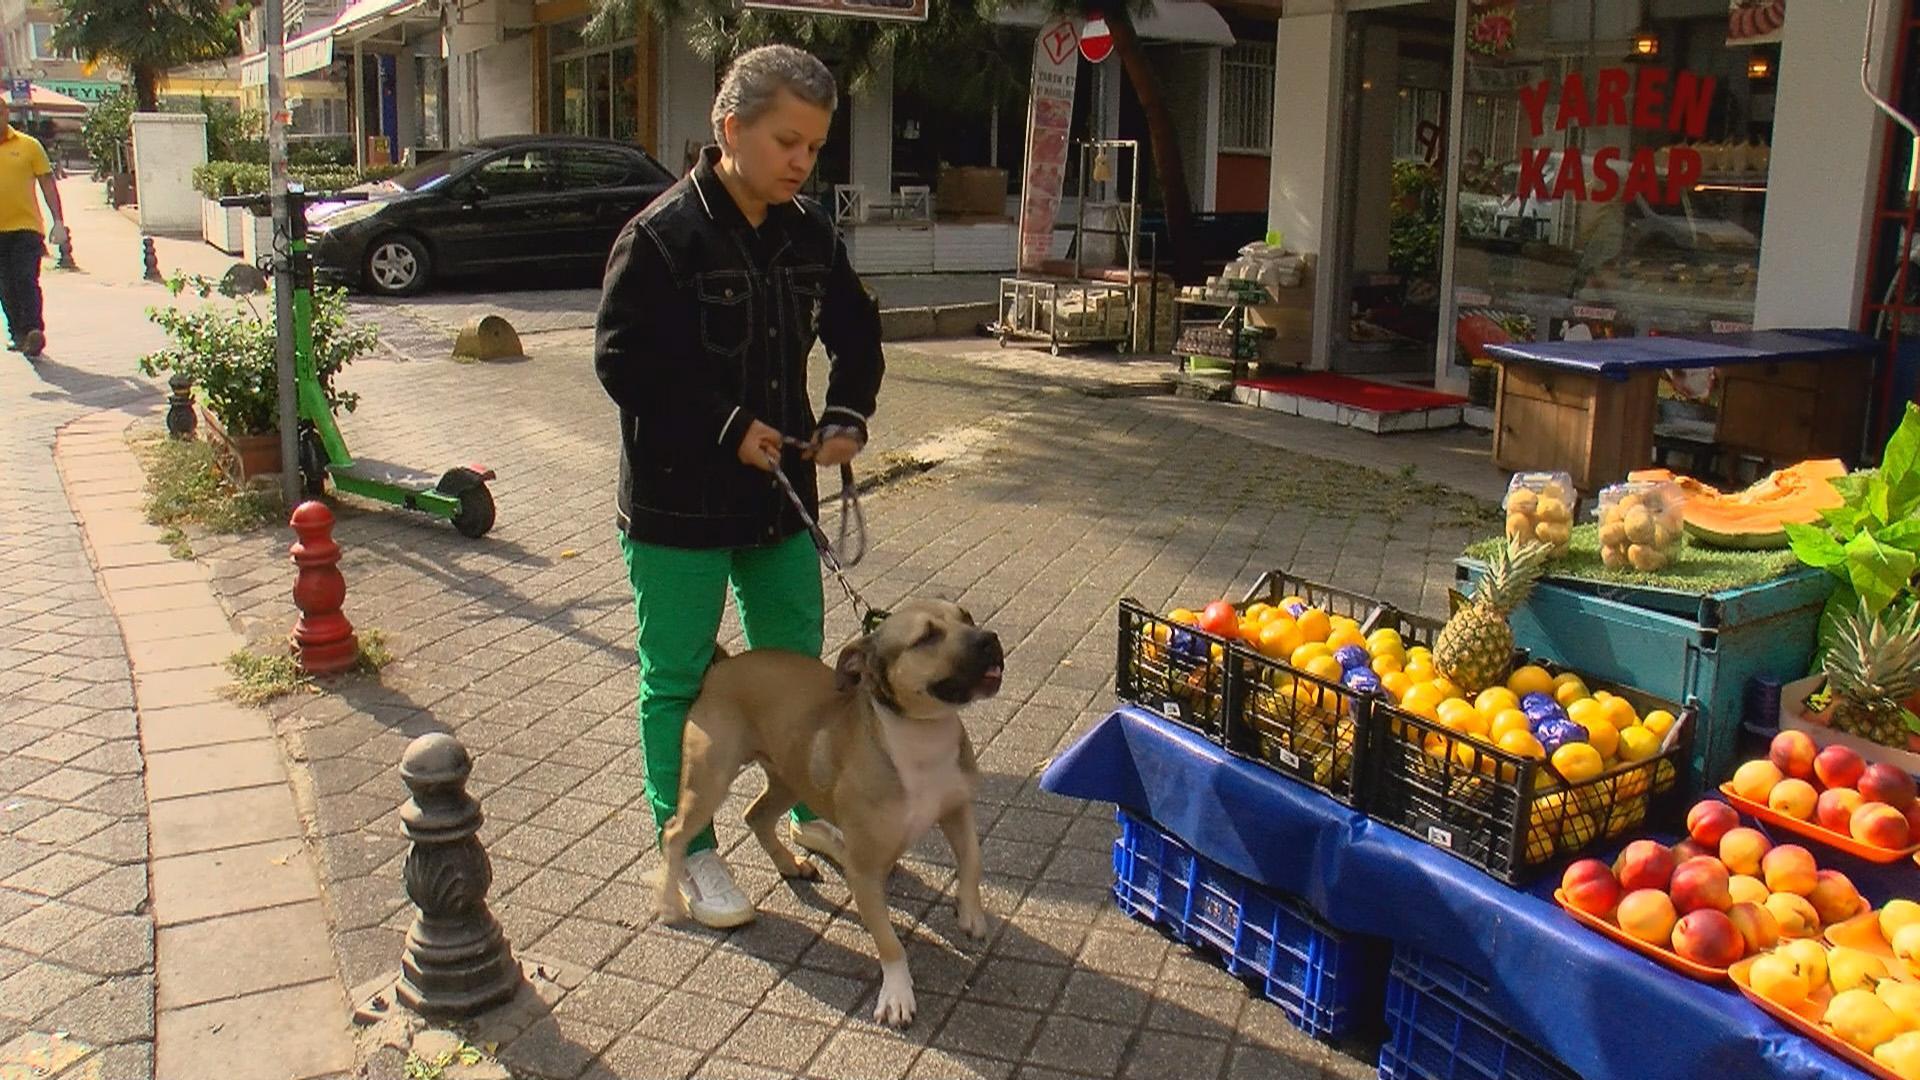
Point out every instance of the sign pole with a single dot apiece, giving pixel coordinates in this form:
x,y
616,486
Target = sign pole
x,y
283,360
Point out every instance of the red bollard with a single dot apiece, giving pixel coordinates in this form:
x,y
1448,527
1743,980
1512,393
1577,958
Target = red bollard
x,y
323,641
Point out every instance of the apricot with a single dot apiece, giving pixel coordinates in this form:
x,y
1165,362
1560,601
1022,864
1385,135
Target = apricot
x,y
1742,850
1754,781
1790,868
1792,752
1794,798
1709,820
1648,915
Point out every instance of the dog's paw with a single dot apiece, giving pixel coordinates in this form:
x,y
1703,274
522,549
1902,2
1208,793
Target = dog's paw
x,y
895,1006
972,921
803,870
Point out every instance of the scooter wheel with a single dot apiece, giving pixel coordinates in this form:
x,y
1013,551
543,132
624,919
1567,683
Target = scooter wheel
x,y
475,518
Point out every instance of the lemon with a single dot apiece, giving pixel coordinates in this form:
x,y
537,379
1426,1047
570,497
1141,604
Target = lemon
x,y
1279,638
1578,762
1342,637
1496,699
1420,652
1419,670
1385,639
1387,664
1304,655
1531,679
1659,721
1257,612
1342,622
1510,720
1183,617
1603,736
1314,624
1638,744
1464,719
1447,688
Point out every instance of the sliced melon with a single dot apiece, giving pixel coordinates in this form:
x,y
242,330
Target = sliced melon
x,y
1757,517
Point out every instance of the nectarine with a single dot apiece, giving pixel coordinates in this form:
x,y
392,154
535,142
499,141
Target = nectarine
x,y
1590,886
1889,784
1835,808
1792,752
1645,864
1648,915
1743,848
1754,780
1790,868
1880,825
1834,898
1794,798
1709,820
1838,767
1708,937
1746,889
1757,926
1700,884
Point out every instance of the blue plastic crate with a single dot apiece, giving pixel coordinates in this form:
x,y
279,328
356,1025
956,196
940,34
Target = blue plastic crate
x,y
1677,645
1439,1028
1320,977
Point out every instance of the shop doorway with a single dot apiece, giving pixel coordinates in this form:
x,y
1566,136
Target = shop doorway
x,y
1385,265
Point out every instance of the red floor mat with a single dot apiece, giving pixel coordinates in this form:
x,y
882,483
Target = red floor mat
x,y
1365,394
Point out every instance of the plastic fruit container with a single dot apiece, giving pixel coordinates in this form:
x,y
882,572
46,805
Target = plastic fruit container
x,y
1540,507
1641,527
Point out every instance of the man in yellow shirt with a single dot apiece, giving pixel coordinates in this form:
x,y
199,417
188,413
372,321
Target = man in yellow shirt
x,y
23,166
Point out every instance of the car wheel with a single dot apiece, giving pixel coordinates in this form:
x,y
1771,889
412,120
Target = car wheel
x,y
397,265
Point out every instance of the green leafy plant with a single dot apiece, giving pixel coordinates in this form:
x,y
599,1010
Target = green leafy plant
x,y
1413,229
228,350
218,178
108,126
1871,542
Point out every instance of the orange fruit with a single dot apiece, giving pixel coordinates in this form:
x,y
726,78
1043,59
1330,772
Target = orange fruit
x,y
1447,688
1396,683
1509,720
1496,699
1531,679
1424,699
1419,670
1620,712
1324,667
1522,743
1314,624
1578,762
1278,638
1183,617
1388,664
1305,654
1603,737
1346,636
1257,612
1585,711
1567,690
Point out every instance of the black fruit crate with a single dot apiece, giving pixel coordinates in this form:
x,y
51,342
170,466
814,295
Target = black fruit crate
x,y
1179,672
1299,725
1512,816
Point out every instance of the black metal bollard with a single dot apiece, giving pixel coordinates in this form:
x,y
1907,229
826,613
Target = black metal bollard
x,y
457,961
65,249
150,260
181,421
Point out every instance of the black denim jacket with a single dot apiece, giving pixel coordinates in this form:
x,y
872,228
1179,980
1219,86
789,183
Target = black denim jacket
x,y
705,324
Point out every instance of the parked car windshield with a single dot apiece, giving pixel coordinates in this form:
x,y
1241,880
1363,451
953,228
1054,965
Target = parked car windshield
x,y
431,174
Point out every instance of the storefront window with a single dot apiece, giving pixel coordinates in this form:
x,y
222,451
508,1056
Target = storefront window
x,y
1613,170
595,88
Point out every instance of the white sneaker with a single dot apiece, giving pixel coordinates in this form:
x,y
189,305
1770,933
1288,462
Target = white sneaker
x,y
821,837
712,897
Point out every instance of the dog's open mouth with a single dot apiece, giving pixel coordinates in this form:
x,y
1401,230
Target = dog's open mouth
x,y
990,680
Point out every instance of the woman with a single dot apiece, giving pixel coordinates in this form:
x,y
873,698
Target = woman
x,y
714,296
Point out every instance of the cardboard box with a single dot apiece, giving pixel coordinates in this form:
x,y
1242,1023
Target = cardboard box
x,y
1794,717
971,190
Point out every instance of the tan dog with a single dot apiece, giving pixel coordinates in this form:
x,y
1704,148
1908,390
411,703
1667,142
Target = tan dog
x,y
875,747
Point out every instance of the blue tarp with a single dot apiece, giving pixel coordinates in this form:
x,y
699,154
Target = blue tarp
x,y
1617,358
1606,1012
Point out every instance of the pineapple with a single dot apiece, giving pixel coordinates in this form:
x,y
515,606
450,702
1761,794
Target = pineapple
x,y
1476,646
1873,666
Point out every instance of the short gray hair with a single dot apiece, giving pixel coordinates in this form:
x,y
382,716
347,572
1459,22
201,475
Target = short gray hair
x,y
756,77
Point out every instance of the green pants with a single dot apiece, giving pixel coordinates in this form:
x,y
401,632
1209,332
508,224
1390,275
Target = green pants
x,y
679,595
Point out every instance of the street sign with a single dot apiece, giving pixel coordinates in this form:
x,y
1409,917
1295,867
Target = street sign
x,y
1096,40
20,91
893,10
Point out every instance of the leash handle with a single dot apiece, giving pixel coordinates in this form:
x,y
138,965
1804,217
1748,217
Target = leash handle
x,y
849,501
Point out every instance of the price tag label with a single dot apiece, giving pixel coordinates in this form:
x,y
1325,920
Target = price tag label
x,y
1288,758
1440,836
1171,709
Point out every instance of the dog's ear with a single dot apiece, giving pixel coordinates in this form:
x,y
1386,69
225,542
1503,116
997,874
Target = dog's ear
x,y
851,666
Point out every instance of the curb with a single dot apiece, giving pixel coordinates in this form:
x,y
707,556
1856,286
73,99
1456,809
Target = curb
x,y
243,954
943,321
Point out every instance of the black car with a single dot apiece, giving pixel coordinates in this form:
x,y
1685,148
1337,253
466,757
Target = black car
x,y
539,204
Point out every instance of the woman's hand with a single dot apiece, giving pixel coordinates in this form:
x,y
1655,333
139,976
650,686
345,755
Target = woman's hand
x,y
835,451
761,447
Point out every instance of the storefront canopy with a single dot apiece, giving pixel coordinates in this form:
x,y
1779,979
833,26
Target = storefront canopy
x,y
1184,22
362,21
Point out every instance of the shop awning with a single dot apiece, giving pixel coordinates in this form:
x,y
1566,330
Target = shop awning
x,y
1184,22
362,20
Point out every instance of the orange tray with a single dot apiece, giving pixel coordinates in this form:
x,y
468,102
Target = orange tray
x,y
1863,932
1811,831
1665,957
1805,1019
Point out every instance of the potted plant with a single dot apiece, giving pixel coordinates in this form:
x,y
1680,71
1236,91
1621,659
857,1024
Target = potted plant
x,y
227,348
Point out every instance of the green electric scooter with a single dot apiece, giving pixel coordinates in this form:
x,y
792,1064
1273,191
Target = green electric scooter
x,y
460,494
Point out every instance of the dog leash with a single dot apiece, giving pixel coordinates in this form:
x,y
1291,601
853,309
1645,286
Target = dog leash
x,y
853,524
